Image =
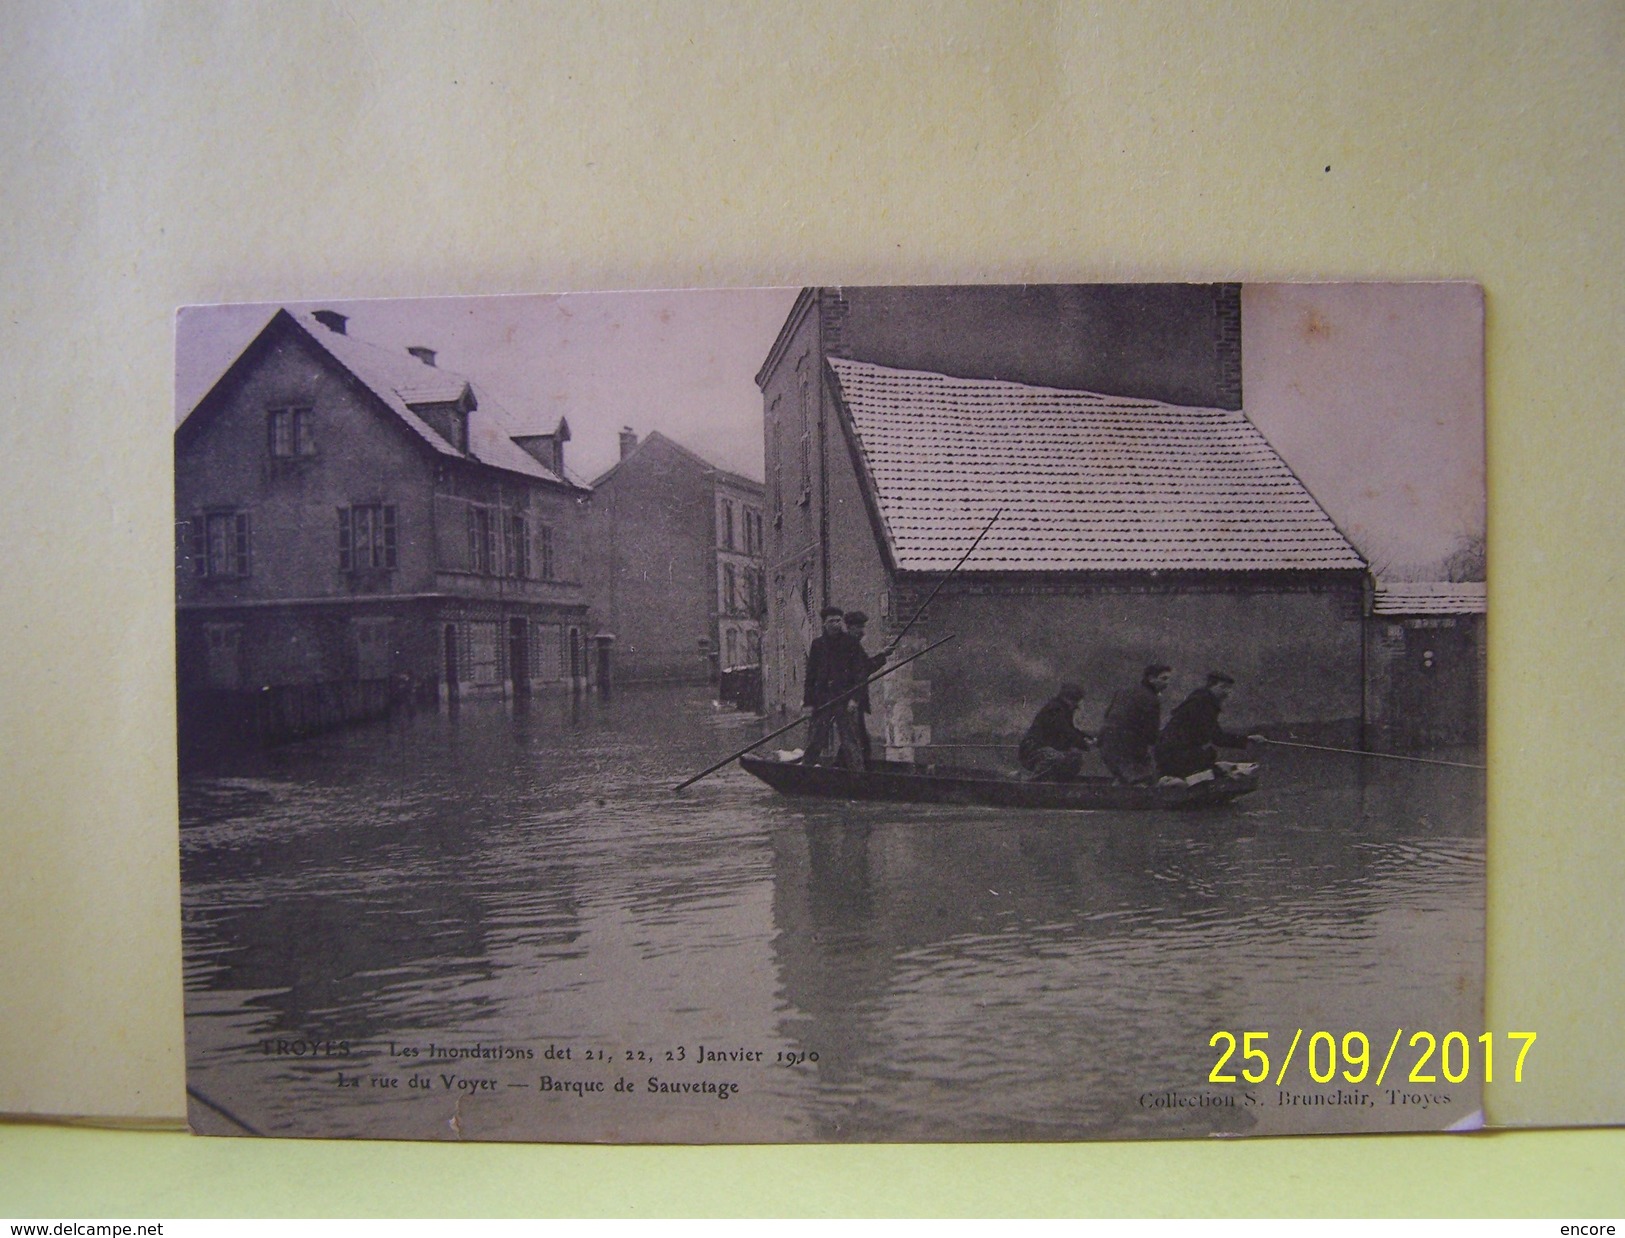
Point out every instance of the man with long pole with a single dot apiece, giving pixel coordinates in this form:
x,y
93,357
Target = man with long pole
x,y
757,743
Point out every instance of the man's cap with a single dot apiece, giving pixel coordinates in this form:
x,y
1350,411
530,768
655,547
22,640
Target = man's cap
x,y
828,611
1214,677
1070,692
856,616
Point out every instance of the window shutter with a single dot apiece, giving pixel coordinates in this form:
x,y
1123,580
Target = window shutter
x,y
200,545
241,543
346,561
389,535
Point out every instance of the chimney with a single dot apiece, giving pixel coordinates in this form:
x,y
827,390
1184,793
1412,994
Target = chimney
x,y
629,440
1227,341
425,355
331,319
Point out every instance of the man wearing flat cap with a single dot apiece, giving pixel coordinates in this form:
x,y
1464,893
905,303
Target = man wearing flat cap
x,y
831,667
1053,747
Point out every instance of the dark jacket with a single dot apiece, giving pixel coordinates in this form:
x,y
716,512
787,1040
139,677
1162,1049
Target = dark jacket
x,y
1132,722
866,664
1052,728
834,664
827,670
1193,732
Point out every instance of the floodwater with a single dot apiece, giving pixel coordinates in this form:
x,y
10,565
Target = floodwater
x,y
500,923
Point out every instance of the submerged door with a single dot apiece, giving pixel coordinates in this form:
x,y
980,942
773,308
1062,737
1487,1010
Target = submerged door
x,y
451,659
1435,702
519,656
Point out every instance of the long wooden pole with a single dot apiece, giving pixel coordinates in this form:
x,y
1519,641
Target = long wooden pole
x,y
920,609
687,782
1361,752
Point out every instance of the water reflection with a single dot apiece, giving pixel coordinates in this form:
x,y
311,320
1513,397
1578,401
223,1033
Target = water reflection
x,y
523,877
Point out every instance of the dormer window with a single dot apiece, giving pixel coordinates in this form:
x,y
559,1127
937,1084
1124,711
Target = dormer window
x,y
291,432
447,419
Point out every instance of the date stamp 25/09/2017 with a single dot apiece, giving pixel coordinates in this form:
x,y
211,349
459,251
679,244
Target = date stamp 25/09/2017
x,y
1451,1055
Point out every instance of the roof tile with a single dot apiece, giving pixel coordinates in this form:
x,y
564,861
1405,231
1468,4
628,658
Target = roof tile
x,y
1085,481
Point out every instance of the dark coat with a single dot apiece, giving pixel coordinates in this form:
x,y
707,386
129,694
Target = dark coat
x,y
834,664
866,664
1052,728
827,675
1193,732
1133,720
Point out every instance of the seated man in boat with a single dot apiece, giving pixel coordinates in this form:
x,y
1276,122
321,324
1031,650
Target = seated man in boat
x,y
856,623
832,668
1133,722
1053,747
1189,743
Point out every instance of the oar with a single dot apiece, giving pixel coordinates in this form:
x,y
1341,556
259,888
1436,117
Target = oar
x,y
920,609
687,782
1361,752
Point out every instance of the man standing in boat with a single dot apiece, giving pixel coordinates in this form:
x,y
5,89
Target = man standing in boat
x,y
1053,747
1133,722
1189,743
834,665
866,664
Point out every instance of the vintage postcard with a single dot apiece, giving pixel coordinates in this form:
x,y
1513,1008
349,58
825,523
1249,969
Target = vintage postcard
x,y
1043,712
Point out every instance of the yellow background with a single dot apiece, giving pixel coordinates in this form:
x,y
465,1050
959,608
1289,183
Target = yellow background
x,y
157,154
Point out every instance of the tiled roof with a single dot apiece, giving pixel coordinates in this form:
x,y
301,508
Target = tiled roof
x,y
1086,482
401,380
1431,598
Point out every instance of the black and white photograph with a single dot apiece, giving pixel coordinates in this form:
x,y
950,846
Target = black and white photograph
x,y
1038,712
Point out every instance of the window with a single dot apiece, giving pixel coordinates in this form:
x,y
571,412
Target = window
x,y
544,551
547,650
483,666
366,537
728,586
518,546
224,658
481,538
290,432
220,544
727,524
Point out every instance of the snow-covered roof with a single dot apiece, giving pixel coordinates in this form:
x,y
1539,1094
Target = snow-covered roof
x,y
401,381
1086,482
1430,598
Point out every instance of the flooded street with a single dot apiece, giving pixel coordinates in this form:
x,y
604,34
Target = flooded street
x,y
500,923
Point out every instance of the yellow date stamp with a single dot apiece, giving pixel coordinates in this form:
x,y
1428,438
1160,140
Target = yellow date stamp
x,y
1245,1056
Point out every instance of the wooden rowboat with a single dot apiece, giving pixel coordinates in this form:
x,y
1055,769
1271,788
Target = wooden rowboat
x,y
945,784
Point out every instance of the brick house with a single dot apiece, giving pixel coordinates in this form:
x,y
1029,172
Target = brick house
x,y
1144,518
348,514
677,553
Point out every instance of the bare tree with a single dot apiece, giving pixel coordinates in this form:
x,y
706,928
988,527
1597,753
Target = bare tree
x,y
1467,559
